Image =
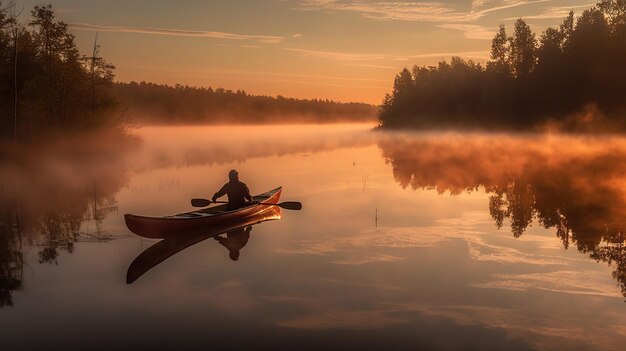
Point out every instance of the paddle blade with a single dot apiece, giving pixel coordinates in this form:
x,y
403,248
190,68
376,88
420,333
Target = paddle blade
x,y
290,205
200,202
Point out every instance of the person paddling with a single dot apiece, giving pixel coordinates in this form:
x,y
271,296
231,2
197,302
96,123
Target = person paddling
x,y
236,190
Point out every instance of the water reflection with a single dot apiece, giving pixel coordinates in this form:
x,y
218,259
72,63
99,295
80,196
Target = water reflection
x,y
574,185
234,241
237,236
53,198
330,275
11,258
50,199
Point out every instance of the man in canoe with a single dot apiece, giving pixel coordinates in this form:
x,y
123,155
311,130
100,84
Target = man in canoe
x,y
236,190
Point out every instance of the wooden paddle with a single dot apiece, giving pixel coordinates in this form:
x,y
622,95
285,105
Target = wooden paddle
x,y
287,205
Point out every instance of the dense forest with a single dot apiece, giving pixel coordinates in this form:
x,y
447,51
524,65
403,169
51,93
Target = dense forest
x,y
154,103
46,85
572,78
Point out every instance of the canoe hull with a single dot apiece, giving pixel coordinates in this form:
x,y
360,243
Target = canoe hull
x,y
174,244
161,227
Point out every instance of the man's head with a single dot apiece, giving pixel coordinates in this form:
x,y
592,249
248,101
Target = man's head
x,y
234,255
233,175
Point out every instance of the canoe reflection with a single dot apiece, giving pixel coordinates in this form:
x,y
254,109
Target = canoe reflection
x,y
237,235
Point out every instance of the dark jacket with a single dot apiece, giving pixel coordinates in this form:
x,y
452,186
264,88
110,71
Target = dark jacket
x,y
237,193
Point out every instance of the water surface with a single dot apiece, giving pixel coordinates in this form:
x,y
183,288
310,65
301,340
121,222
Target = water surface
x,y
406,240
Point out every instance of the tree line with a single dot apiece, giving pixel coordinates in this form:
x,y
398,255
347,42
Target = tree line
x,y
46,85
156,103
529,82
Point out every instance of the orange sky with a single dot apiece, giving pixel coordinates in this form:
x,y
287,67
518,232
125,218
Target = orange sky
x,y
346,50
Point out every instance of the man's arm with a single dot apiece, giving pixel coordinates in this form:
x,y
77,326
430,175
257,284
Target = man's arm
x,y
247,194
220,193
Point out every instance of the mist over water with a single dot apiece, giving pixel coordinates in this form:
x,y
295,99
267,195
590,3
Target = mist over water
x,y
416,240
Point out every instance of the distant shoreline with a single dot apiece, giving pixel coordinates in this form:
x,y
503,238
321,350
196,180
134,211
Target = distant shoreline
x,y
152,103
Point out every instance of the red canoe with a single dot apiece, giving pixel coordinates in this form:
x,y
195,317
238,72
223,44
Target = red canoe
x,y
174,244
200,220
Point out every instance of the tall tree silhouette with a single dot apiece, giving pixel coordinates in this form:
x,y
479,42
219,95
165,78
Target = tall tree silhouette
x,y
528,84
615,11
500,52
52,78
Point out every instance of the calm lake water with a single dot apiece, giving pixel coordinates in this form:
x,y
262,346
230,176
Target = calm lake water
x,y
406,241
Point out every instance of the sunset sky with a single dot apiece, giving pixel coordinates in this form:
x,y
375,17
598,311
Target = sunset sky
x,y
346,50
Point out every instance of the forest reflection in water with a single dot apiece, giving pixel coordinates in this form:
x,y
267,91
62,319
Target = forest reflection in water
x,y
573,184
47,195
55,196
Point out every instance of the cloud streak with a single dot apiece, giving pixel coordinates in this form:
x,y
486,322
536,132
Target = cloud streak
x,y
501,5
568,282
338,56
370,246
415,11
472,31
555,12
364,57
269,39
481,55
344,319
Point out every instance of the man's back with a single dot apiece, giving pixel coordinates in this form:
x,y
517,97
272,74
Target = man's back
x,y
237,193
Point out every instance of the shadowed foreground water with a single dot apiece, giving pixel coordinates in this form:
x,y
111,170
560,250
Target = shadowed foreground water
x,y
406,241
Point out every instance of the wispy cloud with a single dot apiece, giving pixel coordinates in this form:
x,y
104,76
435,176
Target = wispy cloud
x,y
555,12
480,55
569,282
364,57
472,31
415,11
373,66
271,39
338,56
394,10
484,7
240,46
480,3
369,246
363,319
359,260
553,329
